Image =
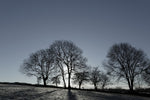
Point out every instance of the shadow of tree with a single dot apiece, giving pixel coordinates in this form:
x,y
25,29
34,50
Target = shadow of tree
x,y
71,96
108,96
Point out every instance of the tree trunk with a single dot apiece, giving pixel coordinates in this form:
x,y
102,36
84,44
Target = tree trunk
x,y
95,86
44,81
131,89
56,84
79,85
64,80
69,76
103,87
131,86
62,73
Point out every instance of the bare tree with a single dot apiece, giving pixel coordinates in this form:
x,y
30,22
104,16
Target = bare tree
x,y
146,75
39,64
95,76
69,55
139,82
56,80
104,80
81,77
38,80
126,62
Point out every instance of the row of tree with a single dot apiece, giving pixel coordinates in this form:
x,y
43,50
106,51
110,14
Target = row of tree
x,y
60,57
63,58
94,75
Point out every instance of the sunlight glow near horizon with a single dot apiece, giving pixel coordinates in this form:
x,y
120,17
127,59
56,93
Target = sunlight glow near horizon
x,y
94,26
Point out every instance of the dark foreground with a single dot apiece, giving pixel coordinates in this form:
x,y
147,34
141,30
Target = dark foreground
x,y
23,92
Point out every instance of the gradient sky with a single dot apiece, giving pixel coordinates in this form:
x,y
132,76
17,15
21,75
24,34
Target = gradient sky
x,y
94,25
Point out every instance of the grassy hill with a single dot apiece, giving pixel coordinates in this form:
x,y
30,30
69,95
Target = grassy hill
x,y
25,91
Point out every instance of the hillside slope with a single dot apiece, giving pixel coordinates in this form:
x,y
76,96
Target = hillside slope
x,y
24,92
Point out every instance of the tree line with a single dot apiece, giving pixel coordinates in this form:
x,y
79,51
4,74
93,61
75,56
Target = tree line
x,y
63,58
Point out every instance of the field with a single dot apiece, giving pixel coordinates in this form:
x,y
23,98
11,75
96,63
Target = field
x,y
25,92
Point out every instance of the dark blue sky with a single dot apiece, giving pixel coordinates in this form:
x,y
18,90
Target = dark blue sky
x,y
94,25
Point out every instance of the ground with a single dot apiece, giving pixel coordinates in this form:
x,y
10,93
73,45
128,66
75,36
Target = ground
x,y
20,92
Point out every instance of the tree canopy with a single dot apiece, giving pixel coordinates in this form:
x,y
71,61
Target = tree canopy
x,y
125,61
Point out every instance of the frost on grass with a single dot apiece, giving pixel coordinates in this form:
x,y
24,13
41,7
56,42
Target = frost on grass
x,y
18,92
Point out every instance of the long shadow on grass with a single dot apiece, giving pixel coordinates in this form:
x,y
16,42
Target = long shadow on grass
x,y
108,96
71,96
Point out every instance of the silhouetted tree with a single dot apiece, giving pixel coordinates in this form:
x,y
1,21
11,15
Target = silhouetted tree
x,y
80,77
139,82
126,62
69,55
56,80
95,76
39,64
104,80
38,80
61,69
146,75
